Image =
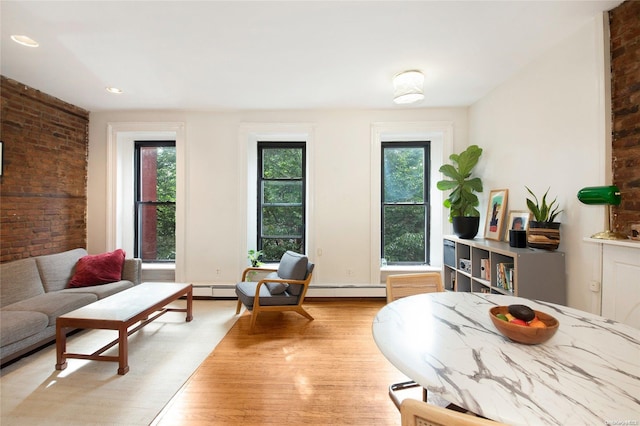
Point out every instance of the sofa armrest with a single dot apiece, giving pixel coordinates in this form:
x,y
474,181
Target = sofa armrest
x,y
132,270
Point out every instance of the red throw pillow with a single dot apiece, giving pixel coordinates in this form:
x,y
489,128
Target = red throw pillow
x,y
98,269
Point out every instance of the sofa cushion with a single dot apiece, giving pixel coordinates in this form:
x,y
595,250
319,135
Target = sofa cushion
x,y
293,266
19,280
296,289
275,288
53,304
247,290
98,269
103,290
18,325
57,269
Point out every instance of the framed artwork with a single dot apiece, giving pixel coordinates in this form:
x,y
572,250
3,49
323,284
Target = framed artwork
x,y
495,214
517,220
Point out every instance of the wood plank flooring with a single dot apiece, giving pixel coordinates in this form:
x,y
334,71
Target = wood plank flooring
x,y
293,371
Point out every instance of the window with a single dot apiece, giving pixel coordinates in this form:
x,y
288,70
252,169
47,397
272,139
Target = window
x,y
155,201
281,198
405,202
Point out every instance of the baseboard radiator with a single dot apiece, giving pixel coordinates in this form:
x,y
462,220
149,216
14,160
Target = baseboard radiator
x,y
228,290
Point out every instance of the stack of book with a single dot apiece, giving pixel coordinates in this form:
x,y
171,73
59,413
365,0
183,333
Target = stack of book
x,y
504,276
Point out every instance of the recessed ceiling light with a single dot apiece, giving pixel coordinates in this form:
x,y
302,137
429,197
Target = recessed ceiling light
x,y
25,40
114,90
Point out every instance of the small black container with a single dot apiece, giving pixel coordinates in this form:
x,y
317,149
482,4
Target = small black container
x,y
517,238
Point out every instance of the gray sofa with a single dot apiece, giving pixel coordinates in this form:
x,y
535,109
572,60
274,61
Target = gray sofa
x,y
35,291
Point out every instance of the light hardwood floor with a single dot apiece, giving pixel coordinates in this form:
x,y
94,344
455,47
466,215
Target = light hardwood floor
x,y
293,371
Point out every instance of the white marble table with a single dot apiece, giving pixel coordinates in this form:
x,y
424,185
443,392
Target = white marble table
x,y
588,373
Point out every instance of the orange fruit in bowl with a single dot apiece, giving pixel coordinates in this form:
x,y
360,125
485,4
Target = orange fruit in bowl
x,y
537,323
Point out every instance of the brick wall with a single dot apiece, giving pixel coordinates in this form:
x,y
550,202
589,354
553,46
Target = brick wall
x,y
624,22
43,189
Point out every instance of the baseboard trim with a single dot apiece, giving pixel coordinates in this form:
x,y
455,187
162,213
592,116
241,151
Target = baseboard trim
x,y
330,291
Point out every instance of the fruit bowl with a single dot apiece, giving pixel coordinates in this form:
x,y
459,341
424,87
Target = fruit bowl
x,y
524,334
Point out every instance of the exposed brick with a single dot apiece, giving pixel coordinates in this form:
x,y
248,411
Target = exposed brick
x,y
43,188
624,23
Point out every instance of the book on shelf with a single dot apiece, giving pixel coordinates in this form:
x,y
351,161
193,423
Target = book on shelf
x,y
485,269
504,276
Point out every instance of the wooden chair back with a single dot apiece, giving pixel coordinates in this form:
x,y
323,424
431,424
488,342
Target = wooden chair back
x,y
403,285
418,413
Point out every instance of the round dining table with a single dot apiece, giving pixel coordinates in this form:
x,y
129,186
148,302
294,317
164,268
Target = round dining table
x,y
588,373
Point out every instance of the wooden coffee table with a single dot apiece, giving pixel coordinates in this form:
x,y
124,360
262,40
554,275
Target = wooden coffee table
x,y
144,302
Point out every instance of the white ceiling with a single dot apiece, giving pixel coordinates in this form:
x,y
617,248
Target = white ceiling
x,y
229,55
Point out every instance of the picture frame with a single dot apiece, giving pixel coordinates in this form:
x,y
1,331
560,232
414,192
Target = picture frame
x,y
517,219
496,212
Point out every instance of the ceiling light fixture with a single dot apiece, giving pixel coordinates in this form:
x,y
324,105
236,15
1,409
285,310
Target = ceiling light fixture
x,y
407,87
25,40
114,90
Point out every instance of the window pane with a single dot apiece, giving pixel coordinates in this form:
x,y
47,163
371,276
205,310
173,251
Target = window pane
x,y
282,192
157,173
282,221
403,175
404,233
158,226
282,163
274,248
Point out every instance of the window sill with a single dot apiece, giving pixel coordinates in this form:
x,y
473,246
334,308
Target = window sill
x,y
410,268
151,266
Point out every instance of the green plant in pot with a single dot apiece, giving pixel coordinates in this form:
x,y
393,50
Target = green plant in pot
x,y
462,201
544,231
254,257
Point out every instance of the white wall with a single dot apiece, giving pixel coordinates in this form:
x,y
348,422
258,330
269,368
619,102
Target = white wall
x,y
211,171
546,127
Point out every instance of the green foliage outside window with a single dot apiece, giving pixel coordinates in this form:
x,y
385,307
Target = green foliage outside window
x,y
166,214
282,202
404,204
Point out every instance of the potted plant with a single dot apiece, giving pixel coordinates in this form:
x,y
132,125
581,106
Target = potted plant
x,y
544,231
462,201
254,257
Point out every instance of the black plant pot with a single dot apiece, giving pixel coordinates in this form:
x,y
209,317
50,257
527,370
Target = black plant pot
x,y
466,227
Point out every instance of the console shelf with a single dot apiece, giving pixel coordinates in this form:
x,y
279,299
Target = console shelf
x,y
525,272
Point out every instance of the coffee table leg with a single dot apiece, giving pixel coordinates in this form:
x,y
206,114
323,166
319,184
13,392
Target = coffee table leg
x,y
61,348
190,304
123,351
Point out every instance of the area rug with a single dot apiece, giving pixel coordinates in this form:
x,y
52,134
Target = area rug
x,y
162,356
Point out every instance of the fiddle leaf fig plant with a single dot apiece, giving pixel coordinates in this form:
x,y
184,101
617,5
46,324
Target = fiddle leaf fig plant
x,y
462,201
541,211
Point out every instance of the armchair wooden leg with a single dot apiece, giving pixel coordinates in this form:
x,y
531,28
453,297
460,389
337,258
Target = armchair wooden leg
x,y
304,313
238,307
252,323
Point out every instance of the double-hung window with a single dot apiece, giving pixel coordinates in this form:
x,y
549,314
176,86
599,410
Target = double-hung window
x,y
281,198
155,201
405,202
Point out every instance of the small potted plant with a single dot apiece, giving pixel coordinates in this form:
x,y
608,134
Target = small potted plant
x,y
462,202
544,231
254,257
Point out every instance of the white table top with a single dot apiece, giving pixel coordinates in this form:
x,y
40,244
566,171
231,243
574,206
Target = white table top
x,y
588,373
128,303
